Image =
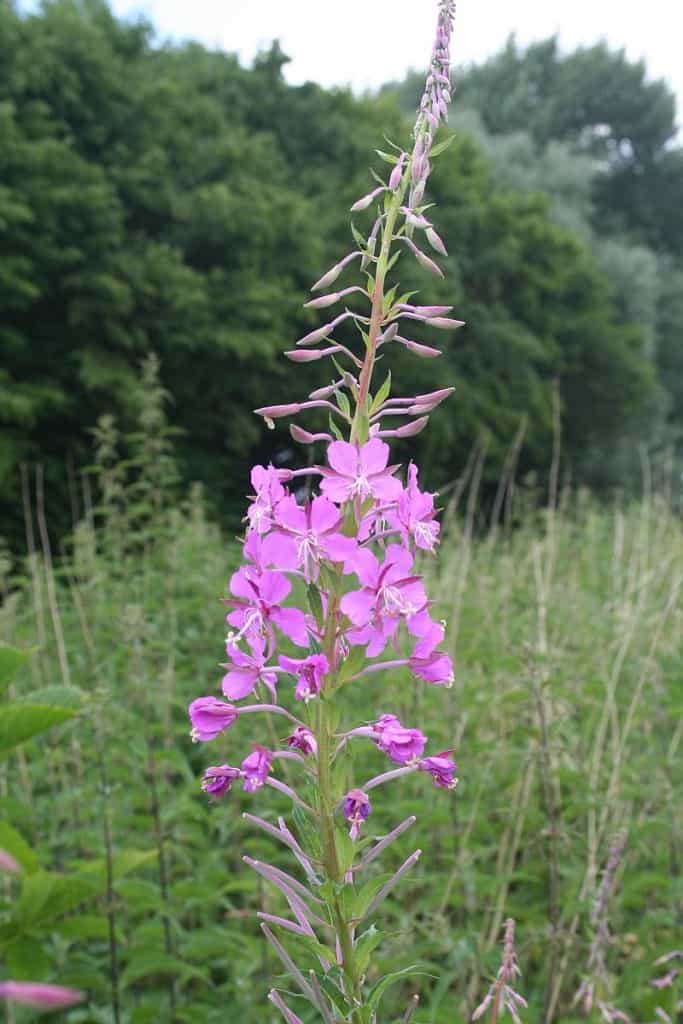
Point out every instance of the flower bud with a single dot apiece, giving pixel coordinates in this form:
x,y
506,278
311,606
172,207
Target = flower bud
x,y
322,301
397,173
331,276
444,322
411,429
305,436
365,201
425,351
435,241
313,337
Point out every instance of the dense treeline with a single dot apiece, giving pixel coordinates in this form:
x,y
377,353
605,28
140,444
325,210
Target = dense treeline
x,y
166,199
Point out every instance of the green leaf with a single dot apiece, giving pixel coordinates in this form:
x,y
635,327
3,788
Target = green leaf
x,y
365,946
440,147
378,990
381,395
315,603
11,660
44,896
16,845
388,158
85,926
351,665
123,863
156,963
20,722
364,897
334,429
68,697
343,402
26,959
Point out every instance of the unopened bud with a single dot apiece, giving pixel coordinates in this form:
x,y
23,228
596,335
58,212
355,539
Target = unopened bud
x,y
305,436
315,336
365,201
322,301
331,276
425,351
411,429
446,323
397,173
435,241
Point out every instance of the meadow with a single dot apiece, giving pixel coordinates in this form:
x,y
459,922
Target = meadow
x,y
564,620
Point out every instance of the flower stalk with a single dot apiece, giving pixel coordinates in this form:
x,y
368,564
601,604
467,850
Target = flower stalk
x,y
351,549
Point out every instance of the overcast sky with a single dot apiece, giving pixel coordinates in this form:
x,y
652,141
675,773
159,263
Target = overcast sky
x,y
366,42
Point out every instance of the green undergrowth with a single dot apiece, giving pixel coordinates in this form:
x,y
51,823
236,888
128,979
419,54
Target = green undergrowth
x,y
565,716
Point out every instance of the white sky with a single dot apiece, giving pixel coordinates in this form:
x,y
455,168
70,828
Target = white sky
x,y
367,42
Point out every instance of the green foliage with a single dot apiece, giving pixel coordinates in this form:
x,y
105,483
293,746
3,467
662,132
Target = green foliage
x,y
577,607
161,205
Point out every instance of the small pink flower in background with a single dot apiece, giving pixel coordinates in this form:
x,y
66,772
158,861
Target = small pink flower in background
x,y
414,515
8,863
33,993
257,602
305,534
302,739
255,768
309,672
246,670
359,472
268,493
357,809
400,744
210,717
442,769
218,779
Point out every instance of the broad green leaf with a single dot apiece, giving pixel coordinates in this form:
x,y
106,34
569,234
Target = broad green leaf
x,y
70,697
20,722
26,959
11,659
16,845
84,926
45,896
364,948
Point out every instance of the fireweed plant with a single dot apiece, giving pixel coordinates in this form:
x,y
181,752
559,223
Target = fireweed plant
x,y
349,552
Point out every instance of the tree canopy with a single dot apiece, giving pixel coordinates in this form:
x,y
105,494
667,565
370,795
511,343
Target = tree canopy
x,y
165,199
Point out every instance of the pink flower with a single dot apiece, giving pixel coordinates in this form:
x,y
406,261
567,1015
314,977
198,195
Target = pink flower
x,y
414,515
357,809
306,534
218,780
268,492
442,769
429,634
210,717
359,472
389,594
436,668
309,672
32,993
257,598
8,863
303,739
246,670
402,745
255,768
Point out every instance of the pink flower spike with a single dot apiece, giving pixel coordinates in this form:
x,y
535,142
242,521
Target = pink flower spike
x,y
331,276
39,996
255,768
367,200
303,739
357,808
359,472
210,717
8,863
218,780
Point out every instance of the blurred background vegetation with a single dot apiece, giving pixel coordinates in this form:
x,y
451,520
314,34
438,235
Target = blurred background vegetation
x,y
164,199
163,212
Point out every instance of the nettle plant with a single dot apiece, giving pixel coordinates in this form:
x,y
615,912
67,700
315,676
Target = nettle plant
x,y
334,577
